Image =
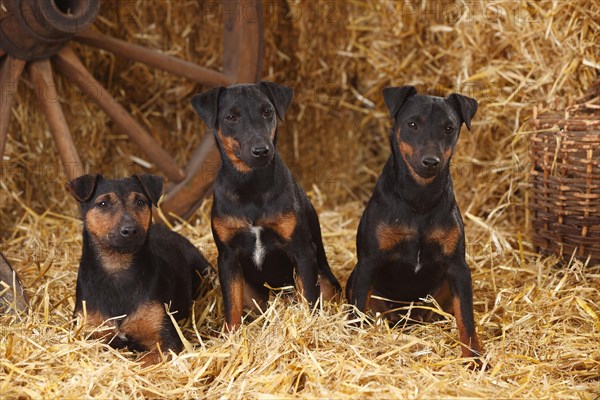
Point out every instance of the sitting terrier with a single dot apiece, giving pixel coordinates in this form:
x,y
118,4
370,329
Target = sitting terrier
x,y
265,228
410,241
130,269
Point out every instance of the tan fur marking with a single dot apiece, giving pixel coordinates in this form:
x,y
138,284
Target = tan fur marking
x,y
227,227
379,306
143,215
443,297
469,342
250,296
299,285
447,238
145,324
405,148
236,292
368,300
327,289
406,151
97,326
447,153
389,236
230,145
99,223
114,262
152,357
283,224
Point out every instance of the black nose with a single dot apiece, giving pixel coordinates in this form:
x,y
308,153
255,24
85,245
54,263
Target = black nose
x,y
430,161
260,151
128,231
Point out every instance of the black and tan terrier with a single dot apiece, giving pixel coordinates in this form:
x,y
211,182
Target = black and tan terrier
x,y
130,269
410,240
266,230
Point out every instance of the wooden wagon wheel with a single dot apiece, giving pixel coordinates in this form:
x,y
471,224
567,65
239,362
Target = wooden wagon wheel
x,y
36,34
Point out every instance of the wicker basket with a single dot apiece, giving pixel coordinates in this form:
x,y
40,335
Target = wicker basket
x,y
565,180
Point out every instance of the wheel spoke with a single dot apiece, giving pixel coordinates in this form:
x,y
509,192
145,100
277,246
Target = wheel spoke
x,y
10,72
152,58
243,41
70,66
201,170
41,74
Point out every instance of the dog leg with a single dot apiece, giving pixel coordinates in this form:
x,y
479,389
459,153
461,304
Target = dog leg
x,y
149,325
231,278
303,256
462,305
359,286
327,281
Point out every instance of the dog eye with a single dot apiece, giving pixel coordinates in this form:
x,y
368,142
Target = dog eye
x,y
267,112
412,125
103,204
231,118
140,203
449,129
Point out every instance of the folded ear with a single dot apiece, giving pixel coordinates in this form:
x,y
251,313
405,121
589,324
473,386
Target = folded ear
x,y
206,105
280,96
465,106
83,187
395,97
152,185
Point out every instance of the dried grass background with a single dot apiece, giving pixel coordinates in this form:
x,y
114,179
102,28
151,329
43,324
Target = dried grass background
x,y
537,317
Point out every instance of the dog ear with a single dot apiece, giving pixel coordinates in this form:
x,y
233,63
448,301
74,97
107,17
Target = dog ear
x,y
465,106
280,96
395,97
206,105
152,185
83,187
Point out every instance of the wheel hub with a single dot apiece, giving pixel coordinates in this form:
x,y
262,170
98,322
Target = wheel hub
x,y
33,30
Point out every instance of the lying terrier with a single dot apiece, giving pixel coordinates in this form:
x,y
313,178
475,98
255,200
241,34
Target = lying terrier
x,y
131,268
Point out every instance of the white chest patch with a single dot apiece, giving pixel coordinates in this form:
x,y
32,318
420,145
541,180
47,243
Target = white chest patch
x,y
418,265
259,251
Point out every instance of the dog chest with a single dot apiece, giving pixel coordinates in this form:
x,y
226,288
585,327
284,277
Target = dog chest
x,y
256,243
259,251
413,248
255,239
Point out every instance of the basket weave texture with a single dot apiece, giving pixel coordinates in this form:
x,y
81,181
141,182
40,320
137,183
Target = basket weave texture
x,y
565,181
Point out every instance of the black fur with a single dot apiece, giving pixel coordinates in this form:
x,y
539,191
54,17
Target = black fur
x,y
412,198
257,187
163,267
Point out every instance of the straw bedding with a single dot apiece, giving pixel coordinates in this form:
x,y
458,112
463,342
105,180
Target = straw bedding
x,y
538,317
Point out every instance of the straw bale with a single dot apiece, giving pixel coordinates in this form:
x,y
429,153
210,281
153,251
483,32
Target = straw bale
x,y
538,317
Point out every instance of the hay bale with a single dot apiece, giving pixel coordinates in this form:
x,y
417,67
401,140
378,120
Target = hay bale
x,y
539,324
